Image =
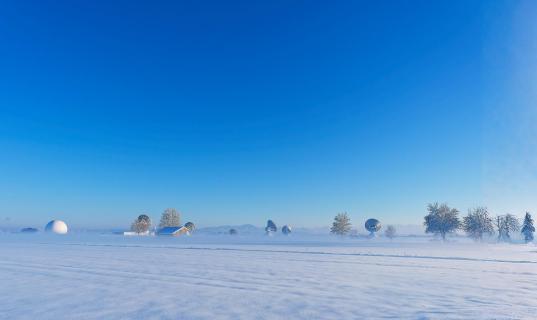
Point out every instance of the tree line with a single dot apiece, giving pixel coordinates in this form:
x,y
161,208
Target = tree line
x,y
442,220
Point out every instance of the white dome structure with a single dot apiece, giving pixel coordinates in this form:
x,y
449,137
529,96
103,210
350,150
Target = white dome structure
x,y
56,226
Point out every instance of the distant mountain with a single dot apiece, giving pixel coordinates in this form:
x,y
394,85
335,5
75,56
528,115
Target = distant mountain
x,y
241,229
248,229
311,231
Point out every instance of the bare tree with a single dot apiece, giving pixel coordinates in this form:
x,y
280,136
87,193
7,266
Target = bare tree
x,y
477,223
170,218
390,232
341,225
141,224
441,219
506,224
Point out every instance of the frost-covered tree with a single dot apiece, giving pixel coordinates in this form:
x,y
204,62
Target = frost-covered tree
x,y
506,224
141,224
441,219
477,223
341,225
527,228
170,218
390,232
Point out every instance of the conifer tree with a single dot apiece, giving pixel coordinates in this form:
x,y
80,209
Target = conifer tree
x,y
527,228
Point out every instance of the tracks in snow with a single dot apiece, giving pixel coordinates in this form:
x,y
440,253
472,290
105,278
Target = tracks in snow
x,y
342,254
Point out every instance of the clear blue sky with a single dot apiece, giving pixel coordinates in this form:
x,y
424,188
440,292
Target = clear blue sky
x,y
234,112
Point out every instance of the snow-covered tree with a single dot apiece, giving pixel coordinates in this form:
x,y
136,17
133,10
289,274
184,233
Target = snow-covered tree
x,y
390,232
441,219
170,218
506,224
527,228
477,223
141,224
232,232
341,225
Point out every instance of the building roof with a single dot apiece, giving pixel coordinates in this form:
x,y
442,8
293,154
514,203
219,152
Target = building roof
x,y
29,230
170,230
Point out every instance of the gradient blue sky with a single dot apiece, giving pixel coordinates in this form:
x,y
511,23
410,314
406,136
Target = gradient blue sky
x,y
234,112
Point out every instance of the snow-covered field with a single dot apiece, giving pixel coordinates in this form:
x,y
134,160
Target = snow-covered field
x,y
223,277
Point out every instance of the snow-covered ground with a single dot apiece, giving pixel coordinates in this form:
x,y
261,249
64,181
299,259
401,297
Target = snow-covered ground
x,y
224,277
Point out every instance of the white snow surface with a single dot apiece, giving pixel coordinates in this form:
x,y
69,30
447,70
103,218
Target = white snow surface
x,y
225,277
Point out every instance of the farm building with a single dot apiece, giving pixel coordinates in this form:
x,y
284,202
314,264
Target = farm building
x,y
174,231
